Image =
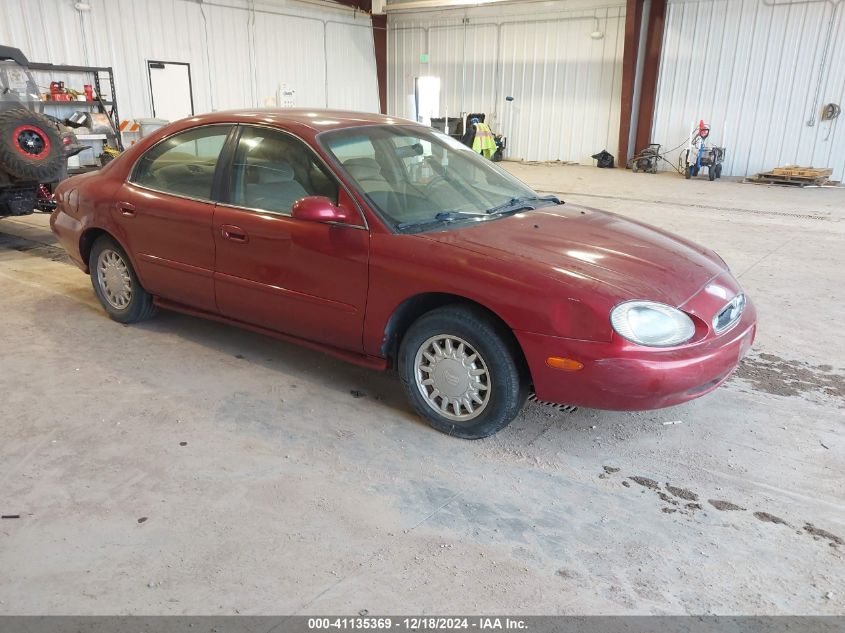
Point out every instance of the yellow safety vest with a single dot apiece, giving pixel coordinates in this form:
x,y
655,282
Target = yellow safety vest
x,y
483,143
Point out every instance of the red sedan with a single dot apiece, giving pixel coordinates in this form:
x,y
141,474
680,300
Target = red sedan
x,y
388,244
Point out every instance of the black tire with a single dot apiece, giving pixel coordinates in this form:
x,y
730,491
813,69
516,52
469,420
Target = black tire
x,y
711,172
140,304
506,376
30,146
688,172
719,170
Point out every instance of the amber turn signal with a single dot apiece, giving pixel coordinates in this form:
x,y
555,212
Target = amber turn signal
x,y
566,364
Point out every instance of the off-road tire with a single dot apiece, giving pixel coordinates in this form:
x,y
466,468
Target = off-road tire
x,y
140,306
507,372
22,163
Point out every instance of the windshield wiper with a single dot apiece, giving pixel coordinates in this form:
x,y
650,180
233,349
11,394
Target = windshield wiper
x,y
443,216
522,202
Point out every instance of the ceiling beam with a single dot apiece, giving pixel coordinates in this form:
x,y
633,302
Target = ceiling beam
x,y
361,5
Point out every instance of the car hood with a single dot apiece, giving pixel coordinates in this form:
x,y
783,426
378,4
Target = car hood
x,y
620,258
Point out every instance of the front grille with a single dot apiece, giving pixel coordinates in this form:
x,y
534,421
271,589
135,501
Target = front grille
x,y
730,314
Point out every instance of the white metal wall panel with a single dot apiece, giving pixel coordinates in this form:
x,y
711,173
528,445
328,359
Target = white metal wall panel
x,y
447,64
352,81
405,44
240,51
228,79
465,62
481,57
759,72
566,85
284,59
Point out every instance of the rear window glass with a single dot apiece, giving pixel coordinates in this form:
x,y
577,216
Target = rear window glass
x,y
184,164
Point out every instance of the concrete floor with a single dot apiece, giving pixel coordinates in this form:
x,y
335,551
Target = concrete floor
x,y
186,467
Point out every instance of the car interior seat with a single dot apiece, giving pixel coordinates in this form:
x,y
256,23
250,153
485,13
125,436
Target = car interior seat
x,y
187,179
368,174
271,185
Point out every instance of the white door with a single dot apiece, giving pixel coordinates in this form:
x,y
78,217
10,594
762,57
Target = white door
x,y
170,87
427,98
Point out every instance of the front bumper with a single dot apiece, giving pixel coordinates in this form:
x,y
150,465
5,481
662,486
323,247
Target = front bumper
x,y
621,376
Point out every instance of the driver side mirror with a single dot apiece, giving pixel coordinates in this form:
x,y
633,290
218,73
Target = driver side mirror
x,y
318,209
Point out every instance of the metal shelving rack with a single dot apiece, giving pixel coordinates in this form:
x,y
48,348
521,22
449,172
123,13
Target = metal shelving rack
x,y
102,106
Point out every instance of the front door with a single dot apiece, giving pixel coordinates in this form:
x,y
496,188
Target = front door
x,y
306,279
165,212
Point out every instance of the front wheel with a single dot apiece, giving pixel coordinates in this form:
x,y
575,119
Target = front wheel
x,y
462,372
116,284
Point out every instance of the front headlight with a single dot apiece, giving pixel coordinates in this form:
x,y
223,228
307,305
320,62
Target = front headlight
x,y
651,323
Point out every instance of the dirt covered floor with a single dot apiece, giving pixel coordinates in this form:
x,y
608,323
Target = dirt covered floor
x,y
186,467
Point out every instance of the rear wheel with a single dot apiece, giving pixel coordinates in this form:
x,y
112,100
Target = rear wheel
x,y
462,372
116,285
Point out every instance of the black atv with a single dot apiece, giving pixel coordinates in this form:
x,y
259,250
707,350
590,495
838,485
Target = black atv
x,y
34,147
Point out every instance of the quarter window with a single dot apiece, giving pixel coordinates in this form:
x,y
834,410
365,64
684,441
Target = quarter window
x,y
271,171
183,164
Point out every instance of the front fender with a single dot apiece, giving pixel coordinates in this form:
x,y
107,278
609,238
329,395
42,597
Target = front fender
x,y
404,266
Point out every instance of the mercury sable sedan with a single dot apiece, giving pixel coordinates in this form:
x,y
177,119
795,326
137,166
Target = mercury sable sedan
x,y
390,245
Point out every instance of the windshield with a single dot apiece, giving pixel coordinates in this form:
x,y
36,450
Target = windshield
x,y
17,86
421,179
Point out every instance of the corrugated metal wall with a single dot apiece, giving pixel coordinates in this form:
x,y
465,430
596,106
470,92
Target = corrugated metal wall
x,y
239,51
566,85
759,71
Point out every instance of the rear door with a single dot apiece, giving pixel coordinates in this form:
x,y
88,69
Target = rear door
x,y
165,212
306,279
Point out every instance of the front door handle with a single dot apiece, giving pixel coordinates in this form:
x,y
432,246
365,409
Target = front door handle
x,y
234,233
126,208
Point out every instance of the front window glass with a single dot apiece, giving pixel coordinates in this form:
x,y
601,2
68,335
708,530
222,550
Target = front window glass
x,y
183,164
271,171
419,178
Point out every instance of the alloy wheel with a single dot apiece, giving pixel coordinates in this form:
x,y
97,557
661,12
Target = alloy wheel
x,y
113,279
452,377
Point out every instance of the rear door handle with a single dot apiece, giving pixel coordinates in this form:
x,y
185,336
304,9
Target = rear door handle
x,y
234,233
126,208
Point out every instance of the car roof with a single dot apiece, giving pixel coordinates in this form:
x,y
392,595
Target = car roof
x,y
315,119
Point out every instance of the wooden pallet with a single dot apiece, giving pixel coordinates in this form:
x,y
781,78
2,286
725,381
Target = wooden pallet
x,y
792,181
801,172
795,176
